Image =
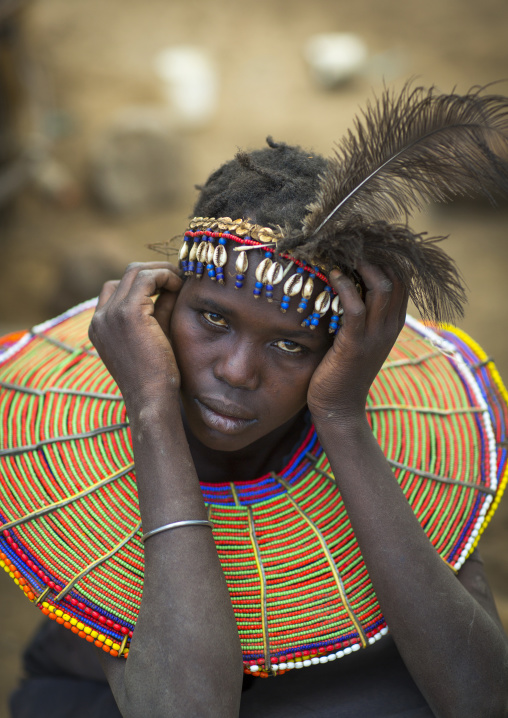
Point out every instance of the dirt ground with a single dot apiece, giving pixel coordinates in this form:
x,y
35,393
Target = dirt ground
x,y
87,60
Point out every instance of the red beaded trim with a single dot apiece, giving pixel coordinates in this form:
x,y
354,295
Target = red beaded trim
x,y
253,243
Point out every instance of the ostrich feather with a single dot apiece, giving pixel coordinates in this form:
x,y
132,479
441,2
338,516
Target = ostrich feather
x,y
404,152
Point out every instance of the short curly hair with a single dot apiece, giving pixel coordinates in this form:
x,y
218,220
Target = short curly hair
x,y
270,186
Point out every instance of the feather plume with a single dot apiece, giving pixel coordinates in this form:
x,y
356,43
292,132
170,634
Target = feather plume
x,y
404,152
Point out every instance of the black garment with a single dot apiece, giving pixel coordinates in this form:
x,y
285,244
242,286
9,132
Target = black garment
x,y
65,680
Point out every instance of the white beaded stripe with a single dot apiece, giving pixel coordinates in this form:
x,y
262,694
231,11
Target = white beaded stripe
x,y
465,372
11,351
40,328
316,660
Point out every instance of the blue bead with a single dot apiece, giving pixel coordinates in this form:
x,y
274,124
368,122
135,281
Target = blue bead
x,y
238,285
211,273
240,277
259,285
284,305
222,240
256,292
314,321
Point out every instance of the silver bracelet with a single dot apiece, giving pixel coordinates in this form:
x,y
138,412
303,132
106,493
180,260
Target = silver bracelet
x,y
175,525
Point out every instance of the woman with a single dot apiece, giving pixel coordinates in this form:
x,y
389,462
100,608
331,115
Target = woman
x,y
221,387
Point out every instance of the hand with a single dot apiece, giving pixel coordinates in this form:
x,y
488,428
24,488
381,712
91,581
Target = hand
x,y
339,387
131,331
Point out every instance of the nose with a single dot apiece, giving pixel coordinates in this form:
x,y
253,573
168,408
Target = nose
x,y
239,365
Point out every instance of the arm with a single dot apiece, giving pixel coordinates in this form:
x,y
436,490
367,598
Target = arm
x,y
185,657
446,630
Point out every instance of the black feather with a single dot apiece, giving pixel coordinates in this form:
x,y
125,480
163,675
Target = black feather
x,y
406,151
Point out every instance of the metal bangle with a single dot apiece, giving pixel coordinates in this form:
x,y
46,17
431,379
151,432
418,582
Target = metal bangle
x,y
175,525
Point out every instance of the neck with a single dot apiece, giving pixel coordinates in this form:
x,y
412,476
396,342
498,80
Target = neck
x,y
265,455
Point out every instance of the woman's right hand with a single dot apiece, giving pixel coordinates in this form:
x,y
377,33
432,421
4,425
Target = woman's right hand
x,y
131,331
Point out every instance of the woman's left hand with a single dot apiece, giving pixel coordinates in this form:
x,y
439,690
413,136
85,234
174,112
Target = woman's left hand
x,y
369,328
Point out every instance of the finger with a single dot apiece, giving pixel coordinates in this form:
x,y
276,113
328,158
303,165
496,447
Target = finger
x,y
163,309
353,319
107,291
379,294
149,282
133,271
399,300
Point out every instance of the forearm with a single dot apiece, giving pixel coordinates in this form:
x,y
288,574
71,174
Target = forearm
x,y
185,656
454,649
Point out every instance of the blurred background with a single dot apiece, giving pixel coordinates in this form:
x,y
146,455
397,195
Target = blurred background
x,y
112,110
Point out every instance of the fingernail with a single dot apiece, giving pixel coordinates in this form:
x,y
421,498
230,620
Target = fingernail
x,y
335,274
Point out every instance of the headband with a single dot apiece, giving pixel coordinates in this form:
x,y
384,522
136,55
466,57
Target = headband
x,y
199,252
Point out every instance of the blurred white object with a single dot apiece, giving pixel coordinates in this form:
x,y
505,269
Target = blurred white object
x,y
190,84
335,58
136,162
54,180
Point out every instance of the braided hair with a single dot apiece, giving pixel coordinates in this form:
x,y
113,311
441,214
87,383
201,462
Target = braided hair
x,y
270,186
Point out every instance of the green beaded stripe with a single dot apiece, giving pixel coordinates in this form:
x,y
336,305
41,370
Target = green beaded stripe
x,y
294,568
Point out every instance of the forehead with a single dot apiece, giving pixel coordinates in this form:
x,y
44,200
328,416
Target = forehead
x,y
258,314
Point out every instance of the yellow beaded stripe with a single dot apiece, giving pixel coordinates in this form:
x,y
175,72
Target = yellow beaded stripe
x,y
441,435
504,393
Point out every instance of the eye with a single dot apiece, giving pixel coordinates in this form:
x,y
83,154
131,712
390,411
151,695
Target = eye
x,y
289,347
216,319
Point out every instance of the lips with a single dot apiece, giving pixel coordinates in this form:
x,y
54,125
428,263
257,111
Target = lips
x,y
223,416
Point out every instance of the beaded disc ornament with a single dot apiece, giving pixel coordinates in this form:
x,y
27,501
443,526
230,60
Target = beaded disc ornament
x,y
71,535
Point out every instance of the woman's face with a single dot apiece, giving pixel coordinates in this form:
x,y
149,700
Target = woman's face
x,y
245,366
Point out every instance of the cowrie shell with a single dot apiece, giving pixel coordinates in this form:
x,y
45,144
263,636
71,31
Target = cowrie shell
x,y
322,303
202,252
293,285
242,263
220,256
308,288
274,274
184,251
262,269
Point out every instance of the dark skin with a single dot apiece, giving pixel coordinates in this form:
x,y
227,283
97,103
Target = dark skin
x,y
218,351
